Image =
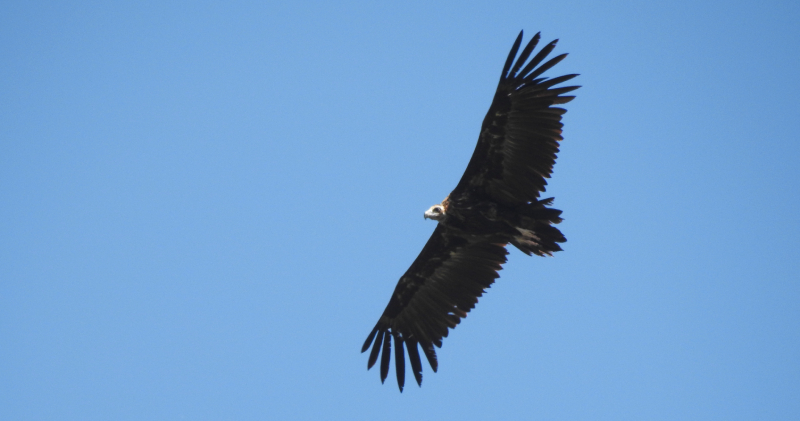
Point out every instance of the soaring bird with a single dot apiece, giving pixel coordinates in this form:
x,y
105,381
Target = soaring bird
x,y
495,203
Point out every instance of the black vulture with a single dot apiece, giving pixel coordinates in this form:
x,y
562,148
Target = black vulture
x,y
495,203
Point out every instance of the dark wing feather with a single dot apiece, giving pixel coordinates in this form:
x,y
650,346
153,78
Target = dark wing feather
x,y
519,137
438,290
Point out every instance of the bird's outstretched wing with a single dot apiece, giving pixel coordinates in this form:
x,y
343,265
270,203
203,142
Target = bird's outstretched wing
x,y
519,137
436,292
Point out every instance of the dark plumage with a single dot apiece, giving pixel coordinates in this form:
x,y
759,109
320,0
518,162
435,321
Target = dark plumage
x,y
495,203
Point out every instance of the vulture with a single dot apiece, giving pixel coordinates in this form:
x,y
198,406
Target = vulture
x,y
496,203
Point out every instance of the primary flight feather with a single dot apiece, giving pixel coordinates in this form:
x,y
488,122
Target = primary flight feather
x,y
495,203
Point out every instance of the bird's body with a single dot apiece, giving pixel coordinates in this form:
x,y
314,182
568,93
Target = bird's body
x,y
496,203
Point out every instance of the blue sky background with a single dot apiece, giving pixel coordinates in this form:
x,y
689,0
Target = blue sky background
x,y
204,208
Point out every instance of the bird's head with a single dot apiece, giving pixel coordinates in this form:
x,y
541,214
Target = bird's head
x,y
436,212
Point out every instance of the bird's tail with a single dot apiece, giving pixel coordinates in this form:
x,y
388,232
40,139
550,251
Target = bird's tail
x,y
535,233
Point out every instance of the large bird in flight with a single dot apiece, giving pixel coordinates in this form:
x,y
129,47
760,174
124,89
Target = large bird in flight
x,y
496,203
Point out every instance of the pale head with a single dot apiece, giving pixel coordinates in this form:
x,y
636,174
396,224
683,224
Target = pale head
x,y
436,212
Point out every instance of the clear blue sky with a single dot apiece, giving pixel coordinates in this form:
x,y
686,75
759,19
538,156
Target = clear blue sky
x,y
204,209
